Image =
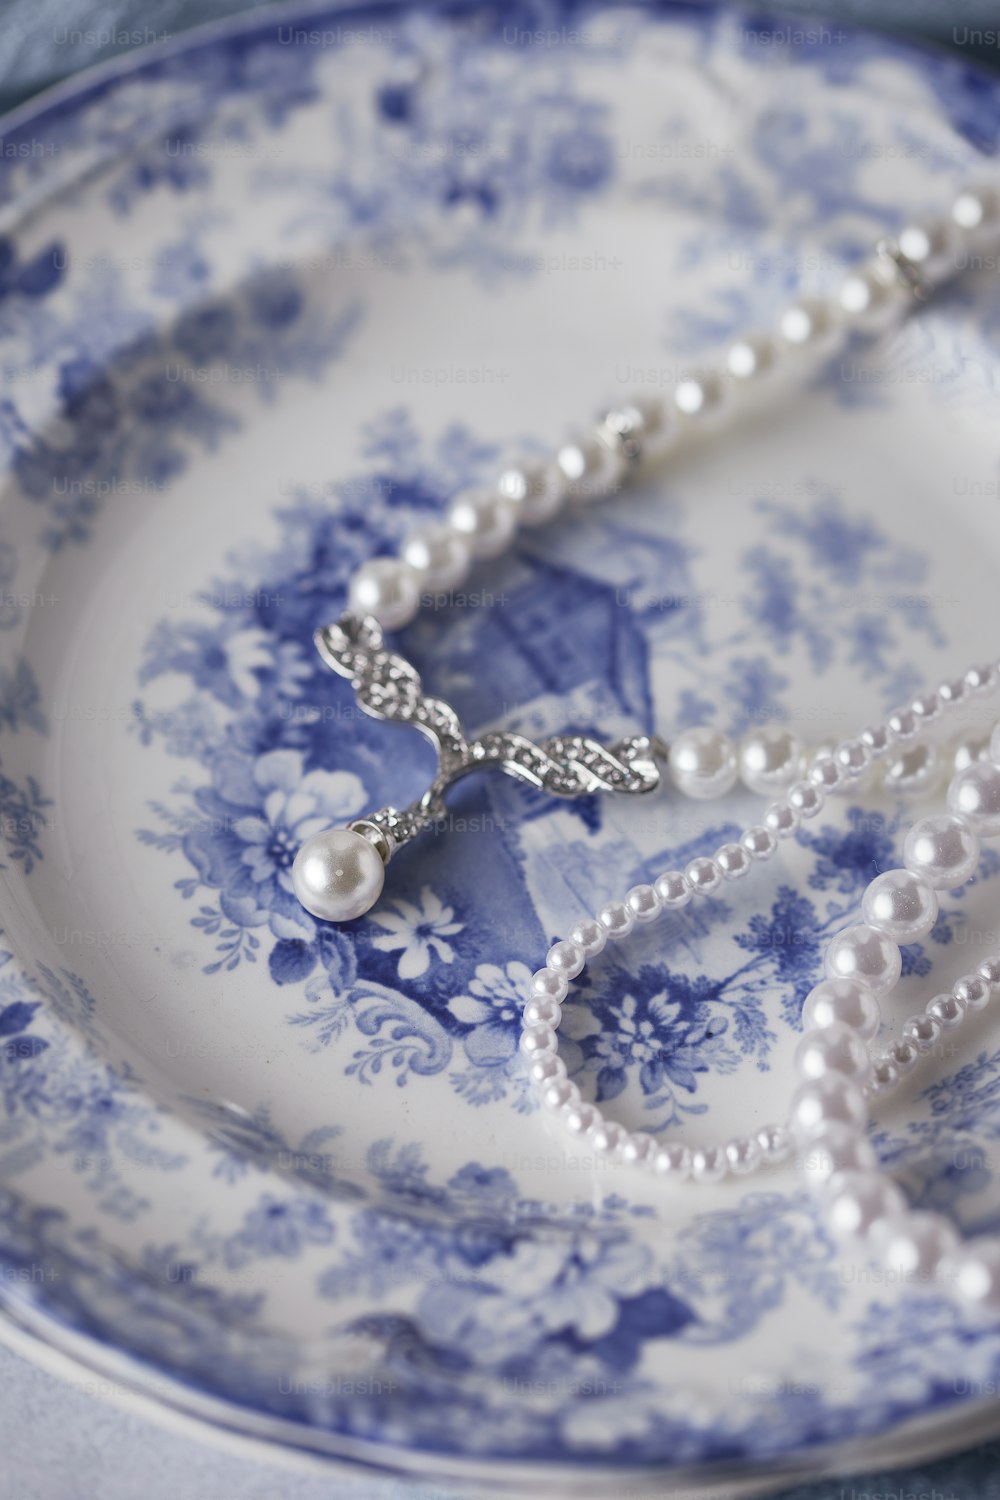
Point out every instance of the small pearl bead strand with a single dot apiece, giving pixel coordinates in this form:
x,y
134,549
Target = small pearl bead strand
x,y
830,1109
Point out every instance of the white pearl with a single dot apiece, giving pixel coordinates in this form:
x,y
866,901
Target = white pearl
x,y
924,1032
968,750
547,1067
439,556
981,679
565,958
591,469
338,874
643,902
809,325
930,247
672,1160
842,1002
855,1201
703,876
826,774
617,919
854,757
781,819
822,1101
578,1117
537,488
913,770
759,842
989,970
839,1148
770,759
642,430
885,1077
733,860
637,1148
539,1039
387,589
558,1094
973,992
743,1155
672,890
541,1011
901,904
548,985
878,738
701,397
947,1010
834,1049
870,297
750,359
904,1056
972,1271
708,1164
976,212
912,1244
703,763
904,725
953,692
485,520
806,799
974,795
775,1143
862,952
943,850
589,936
606,1136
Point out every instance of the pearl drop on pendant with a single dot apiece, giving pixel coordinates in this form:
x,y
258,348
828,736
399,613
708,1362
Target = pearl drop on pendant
x,y
338,875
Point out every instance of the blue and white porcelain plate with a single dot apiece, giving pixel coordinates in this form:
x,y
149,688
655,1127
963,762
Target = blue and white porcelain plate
x,y
266,299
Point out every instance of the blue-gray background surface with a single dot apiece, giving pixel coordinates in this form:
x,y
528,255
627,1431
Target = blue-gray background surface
x,y
67,1442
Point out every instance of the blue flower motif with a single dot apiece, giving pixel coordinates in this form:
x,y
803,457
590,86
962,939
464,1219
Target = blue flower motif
x,y
281,1227
419,929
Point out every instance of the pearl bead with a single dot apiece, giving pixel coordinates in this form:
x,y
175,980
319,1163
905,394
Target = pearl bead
x,y
973,992
981,679
672,890
637,1148
947,1010
806,799
672,1160
878,738
565,958
953,692
775,1143
855,1201
781,819
548,985
485,520
821,1101
809,325
643,430
759,842
930,247
968,750
923,1032
546,1068
885,1077
904,1055
912,1244
974,796
733,860
862,952
701,396
900,904
538,1039
903,725
842,1002
750,358
606,1136
338,874
989,970
703,876
708,1164
913,771
975,212
972,1271
926,708
854,758
439,556
834,1049
870,298
578,1117
643,902
943,850
703,763
557,1095
770,759
540,1011
387,589
617,919
589,936
591,470
743,1155
825,773
839,1148
537,488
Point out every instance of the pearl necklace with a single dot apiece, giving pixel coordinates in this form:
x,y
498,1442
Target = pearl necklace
x,y
338,874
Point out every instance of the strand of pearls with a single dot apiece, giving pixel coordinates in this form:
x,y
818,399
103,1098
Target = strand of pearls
x,y
482,523
862,962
